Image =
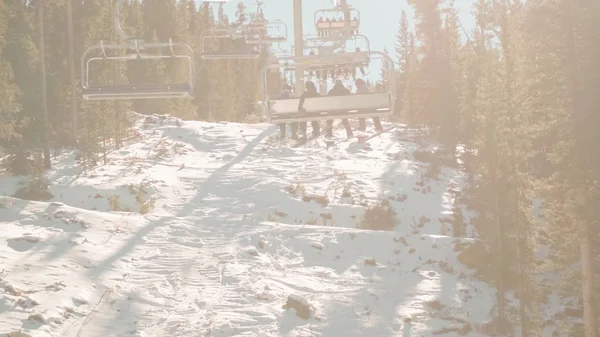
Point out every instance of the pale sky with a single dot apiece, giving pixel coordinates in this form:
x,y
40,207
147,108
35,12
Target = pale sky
x,y
379,18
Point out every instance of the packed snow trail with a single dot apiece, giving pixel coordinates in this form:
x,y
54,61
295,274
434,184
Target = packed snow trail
x,y
237,226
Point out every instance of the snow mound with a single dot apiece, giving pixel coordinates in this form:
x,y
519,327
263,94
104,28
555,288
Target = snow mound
x,y
218,229
49,253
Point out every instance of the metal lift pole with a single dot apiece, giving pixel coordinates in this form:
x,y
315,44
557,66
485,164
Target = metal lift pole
x,y
298,46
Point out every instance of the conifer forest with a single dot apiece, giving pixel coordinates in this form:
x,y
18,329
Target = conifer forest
x,y
518,97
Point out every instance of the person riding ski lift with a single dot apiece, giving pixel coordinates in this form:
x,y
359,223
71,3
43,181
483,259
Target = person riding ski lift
x,y
286,93
339,90
311,91
361,88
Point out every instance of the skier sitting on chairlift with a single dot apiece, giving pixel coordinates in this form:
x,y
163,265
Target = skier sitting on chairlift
x,y
311,91
361,88
285,94
339,90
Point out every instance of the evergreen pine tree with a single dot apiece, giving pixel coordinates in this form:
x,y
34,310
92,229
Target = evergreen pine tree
x,y
9,91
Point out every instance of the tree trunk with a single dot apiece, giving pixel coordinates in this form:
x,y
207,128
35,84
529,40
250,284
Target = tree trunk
x,y
587,280
580,175
74,125
47,162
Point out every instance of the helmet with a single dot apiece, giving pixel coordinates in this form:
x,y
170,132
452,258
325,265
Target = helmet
x,y
310,85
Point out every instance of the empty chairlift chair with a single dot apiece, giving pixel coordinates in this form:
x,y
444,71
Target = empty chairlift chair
x,y
213,43
265,32
137,50
251,37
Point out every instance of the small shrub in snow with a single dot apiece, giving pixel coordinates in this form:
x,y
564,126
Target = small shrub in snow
x,y
322,200
380,216
346,191
296,190
114,201
420,223
37,188
435,305
144,203
162,149
326,217
272,217
142,192
370,262
275,216
18,163
313,221
341,182
147,206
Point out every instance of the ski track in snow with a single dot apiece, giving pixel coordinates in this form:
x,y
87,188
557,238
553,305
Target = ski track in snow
x,y
206,262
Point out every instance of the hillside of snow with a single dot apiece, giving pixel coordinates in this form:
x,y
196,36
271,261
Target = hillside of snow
x,y
217,229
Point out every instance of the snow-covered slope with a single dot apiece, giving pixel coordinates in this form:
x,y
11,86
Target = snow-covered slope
x,y
200,229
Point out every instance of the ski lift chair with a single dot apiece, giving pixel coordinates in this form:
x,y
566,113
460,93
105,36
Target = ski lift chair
x,y
326,20
139,48
328,58
266,32
373,104
136,49
221,35
377,104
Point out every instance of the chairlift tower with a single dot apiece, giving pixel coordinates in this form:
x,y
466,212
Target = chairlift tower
x,y
298,45
331,54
